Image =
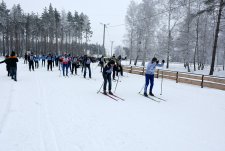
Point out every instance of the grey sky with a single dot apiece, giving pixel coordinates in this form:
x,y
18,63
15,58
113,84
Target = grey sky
x,y
99,11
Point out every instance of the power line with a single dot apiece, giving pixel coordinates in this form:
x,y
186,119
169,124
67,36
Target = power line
x,y
153,15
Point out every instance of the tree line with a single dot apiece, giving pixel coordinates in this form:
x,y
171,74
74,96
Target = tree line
x,y
51,32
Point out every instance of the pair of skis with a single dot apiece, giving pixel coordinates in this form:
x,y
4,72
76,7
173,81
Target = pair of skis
x,y
153,98
114,97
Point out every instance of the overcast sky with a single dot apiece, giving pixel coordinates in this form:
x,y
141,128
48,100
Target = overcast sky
x,y
99,11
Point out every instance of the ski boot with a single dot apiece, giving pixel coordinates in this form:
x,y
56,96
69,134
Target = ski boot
x,y
110,93
145,94
151,94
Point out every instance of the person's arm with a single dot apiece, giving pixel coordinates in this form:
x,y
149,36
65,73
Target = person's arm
x,y
2,61
160,65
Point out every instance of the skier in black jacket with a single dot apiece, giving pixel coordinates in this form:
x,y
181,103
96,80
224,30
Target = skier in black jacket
x,y
107,70
13,65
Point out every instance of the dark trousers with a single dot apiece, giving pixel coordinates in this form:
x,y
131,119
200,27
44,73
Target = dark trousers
x,y
13,73
119,69
102,65
115,72
36,64
65,67
49,65
85,70
149,78
107,79
31,65
43,63
74,67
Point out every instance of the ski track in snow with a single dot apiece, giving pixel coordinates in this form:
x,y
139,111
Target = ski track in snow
x,y
7,109
47,130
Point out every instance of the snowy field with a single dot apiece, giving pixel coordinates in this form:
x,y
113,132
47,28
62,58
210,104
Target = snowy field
x,y
44,111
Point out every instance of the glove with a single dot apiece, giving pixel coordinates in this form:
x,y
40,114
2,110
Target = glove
x,y
163,61
157,62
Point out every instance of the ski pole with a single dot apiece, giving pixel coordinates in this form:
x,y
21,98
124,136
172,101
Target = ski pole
x,y
141,89
100,88
117,83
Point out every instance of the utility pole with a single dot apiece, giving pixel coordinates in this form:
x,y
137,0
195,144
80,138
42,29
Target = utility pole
x,y
111,47
104,37
104,25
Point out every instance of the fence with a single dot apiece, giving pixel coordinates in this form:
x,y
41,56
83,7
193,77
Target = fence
x,y
182,77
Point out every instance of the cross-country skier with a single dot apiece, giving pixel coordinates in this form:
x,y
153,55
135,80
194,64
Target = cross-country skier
x,y
107,70
119,65
49,62
149,75
75,64
102,62
31,61
87,65
13,65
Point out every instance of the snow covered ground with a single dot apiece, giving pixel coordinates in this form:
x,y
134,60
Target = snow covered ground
x,y
44,111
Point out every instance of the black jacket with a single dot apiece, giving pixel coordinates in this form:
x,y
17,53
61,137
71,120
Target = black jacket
x,y
13,61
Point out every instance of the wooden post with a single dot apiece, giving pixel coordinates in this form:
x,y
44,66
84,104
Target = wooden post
x,y
157,74
143,71
202,81
177,77
130,69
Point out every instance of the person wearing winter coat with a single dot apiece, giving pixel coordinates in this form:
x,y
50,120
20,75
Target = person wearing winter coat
x,y
149,75
36,61
75,63
43,57
107,71
119,66
65,63
25,58
6,61
115,69
102,62
49,62
13,65
31,61
87,64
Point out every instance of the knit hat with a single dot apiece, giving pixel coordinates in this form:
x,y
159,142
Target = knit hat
x,y
13,53
154,59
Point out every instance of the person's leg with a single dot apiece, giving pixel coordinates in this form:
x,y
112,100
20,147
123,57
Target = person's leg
x,y
105,84
29,65
51,65
63,68
32,65
151,84
110,82
85,70
147,77
67,66
89,70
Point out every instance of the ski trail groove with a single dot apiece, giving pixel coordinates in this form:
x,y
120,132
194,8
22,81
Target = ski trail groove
x,y
48,132
7,112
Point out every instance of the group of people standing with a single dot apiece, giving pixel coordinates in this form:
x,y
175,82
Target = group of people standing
x,y
68,62
64,62
114,65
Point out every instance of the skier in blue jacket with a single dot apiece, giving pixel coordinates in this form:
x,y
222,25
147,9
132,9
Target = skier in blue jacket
x,y
149,75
